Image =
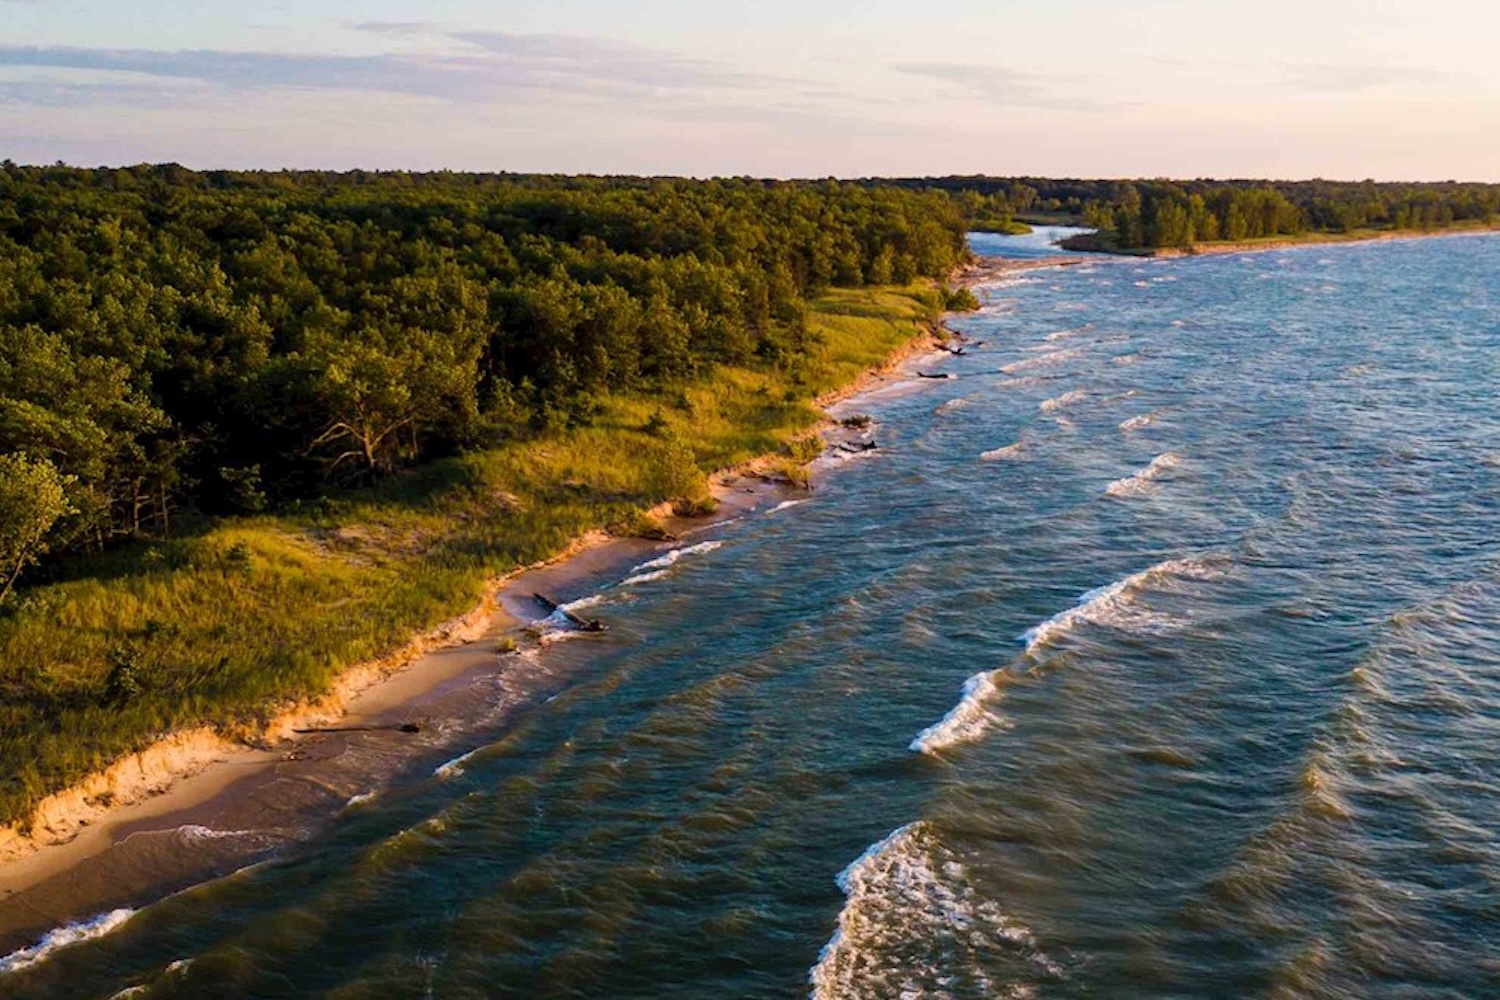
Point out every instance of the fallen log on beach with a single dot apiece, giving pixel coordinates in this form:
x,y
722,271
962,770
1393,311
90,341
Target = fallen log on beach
x,y
582,624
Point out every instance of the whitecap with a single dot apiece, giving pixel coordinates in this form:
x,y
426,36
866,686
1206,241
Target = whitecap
x,y
968,720
786,505
1142,481
671,558
631,581
910,891
1066,399
61,937
1010,451
1136,423
1115,605
1050,359
455,767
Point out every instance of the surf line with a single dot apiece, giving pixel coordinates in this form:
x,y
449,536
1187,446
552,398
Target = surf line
x,y
1113,604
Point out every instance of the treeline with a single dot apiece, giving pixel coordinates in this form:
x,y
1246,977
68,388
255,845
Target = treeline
x,y
174,341
1156,213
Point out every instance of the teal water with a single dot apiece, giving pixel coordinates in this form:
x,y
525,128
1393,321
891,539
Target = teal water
x,y
1157,654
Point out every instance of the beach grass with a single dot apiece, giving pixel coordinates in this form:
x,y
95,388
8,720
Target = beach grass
x,y
230,622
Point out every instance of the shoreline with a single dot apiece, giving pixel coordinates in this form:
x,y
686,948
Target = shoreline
x,y
77,860
1283,243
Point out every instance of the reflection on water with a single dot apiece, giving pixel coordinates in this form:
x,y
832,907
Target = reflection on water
x,y
1176,677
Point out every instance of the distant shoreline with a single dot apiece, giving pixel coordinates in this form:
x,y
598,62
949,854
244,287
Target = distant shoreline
x,y
1088,245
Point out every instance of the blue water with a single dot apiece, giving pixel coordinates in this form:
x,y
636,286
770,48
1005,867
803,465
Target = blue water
x,y
1157,654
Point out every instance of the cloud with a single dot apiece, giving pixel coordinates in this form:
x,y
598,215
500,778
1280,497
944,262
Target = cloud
x,y
394,29
999,86
1328,77
476,66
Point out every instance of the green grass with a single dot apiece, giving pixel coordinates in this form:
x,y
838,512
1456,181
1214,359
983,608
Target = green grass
x,y
229,625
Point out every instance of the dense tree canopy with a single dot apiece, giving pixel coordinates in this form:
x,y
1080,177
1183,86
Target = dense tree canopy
x,y
1157,213
221,342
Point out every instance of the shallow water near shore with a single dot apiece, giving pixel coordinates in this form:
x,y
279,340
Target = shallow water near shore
x,y
1155,654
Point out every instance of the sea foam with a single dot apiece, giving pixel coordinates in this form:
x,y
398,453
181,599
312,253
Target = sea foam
x,y
1142,481
1117,604
455,767
1066,399
968,720
1010,451
61,937
671,558
913,925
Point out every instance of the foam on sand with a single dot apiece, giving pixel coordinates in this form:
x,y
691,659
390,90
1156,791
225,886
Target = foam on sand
x,y
61,937
913,925
1142,481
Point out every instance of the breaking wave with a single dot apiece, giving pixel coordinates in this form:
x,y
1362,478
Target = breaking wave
x,y
455,767
1066,399
968,720
61,937
1010,451
671,558
913,925
1117,604
1048,360
1141,482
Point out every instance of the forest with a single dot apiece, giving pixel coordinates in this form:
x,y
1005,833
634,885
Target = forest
x,y
177,343
1151,214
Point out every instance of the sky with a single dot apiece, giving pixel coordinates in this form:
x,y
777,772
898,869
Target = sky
x,y
1349,89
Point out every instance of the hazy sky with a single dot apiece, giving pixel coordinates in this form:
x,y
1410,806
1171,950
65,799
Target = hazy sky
x,y
1392,89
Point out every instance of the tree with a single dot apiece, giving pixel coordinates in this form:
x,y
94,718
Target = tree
x,y
33,498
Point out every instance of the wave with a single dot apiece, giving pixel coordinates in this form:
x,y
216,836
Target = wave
x,y
1141,482
61,937
1048,360
1010,451
192,832
1115,604
786,505
1066,399
1137,423
671,558
1065,334
968,720
455,767
912,925
631,581
951,405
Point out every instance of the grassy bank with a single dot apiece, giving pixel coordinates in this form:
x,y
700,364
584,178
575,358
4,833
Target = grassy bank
x,y
230,624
